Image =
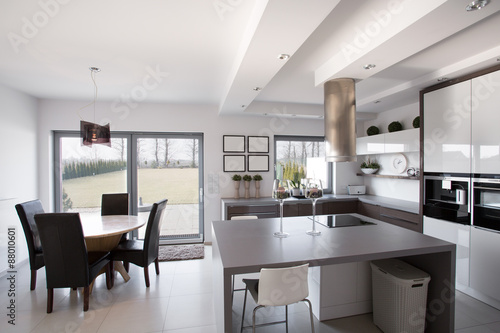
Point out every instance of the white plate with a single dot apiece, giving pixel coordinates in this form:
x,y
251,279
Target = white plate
x,y
399,163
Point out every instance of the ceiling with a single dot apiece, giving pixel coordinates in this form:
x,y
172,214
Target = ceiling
x,y
225,52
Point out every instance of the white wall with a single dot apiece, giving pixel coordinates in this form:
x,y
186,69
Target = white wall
x,y
63,115
393,188
18,170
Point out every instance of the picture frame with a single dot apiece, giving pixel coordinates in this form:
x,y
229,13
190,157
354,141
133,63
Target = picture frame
x,y
258,163
258,144
234,163
233,143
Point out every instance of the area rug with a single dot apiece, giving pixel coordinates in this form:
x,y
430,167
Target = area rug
x,y
181,252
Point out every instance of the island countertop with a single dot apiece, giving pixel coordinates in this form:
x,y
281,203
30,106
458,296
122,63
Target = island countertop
x,y
245,247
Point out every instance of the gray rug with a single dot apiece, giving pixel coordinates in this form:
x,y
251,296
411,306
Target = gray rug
x,y
181,252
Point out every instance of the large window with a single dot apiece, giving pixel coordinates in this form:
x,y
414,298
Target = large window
x,y
150,167
300,157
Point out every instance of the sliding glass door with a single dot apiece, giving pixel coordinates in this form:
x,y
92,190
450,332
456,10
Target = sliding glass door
x,y
150,167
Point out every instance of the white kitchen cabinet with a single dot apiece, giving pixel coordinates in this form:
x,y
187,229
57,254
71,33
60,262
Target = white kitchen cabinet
x,y
485,263
485,120
447,129
396,142
455,233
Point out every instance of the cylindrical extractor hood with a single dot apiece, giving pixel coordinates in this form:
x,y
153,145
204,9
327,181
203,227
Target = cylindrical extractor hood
x,y
340,120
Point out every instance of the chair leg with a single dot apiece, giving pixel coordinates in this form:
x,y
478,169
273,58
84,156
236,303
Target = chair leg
x,y
33,279
146,276
243,313
50,299
86,296
126,264
310,314
286,318
109,275
253,318
157,266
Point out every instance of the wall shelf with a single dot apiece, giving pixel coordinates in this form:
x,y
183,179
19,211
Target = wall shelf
x,y
388,176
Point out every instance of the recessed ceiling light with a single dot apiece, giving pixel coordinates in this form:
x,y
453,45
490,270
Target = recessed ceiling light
x,y
476,5
257,88
283,56
369,66
376,102
441,79
243,105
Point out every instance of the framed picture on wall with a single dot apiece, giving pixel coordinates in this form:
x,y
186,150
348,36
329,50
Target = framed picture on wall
x,y
233,143
234,163
258,144
258,163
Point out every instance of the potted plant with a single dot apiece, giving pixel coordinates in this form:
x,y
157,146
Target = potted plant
x,y
257,178
369,167
295,185
247,179
395,126
236,179
372,130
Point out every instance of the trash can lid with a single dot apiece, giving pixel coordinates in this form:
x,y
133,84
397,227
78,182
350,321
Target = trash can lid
x,y
400,269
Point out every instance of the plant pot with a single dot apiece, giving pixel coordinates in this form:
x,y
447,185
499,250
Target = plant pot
x,y
257,188
236,189
368,171
295,192
247,189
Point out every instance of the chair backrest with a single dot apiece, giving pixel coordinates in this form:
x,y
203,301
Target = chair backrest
x,y
64,249
152,236
244,217
283,286
26,212
114,204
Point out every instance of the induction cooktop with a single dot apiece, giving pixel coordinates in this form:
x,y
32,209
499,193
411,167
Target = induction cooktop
x,y
341,220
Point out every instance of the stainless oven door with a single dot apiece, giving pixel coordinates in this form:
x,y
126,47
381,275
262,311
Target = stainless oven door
x,y
486,203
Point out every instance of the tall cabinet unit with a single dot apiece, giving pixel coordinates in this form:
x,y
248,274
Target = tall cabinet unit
x,y
485,119
447,129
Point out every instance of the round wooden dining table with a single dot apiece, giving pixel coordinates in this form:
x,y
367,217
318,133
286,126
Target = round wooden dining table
x,y
103,233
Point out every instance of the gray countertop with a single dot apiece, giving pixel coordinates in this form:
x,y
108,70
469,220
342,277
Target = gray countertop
x,y
404,205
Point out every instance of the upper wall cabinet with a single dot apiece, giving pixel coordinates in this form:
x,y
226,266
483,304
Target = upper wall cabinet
x,y
395,142
485,119
447,129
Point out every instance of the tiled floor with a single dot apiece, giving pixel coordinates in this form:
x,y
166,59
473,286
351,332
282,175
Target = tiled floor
x,y
178,301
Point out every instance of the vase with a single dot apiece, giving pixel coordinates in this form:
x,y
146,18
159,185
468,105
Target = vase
x,y
257,189
236,189
247,189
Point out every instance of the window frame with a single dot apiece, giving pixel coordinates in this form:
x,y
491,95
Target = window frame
x,y
328,187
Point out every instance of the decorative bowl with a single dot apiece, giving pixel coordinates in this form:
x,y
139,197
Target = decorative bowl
x,y
368,170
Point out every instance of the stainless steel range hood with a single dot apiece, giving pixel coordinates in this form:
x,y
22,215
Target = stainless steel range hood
x,y
340,120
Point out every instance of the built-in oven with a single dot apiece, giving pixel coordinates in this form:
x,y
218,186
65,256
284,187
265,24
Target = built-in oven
x,y
446,197
486,203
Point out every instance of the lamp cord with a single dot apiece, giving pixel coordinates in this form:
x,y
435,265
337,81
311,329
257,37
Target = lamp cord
x,y
92,73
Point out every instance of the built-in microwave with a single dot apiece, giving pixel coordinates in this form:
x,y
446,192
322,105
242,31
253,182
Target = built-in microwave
x,y
446,197
486,203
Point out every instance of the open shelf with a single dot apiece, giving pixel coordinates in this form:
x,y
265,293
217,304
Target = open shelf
x,y
388,176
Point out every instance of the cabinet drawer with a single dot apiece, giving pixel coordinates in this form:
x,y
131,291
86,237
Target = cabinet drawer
x,y
262,211
340,207
369,210
400,218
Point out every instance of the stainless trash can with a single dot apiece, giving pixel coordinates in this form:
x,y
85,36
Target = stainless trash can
x,y
399,296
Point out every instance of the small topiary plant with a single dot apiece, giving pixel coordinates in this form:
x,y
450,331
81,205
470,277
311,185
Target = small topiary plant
x,y
247,178
416,122
395,126
257,177
236,178
372,130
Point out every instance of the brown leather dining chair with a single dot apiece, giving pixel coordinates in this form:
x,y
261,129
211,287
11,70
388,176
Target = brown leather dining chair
x,y
67,262
143,252
26,212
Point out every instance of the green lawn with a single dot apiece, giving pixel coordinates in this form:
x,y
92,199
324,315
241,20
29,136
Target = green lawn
x,y
179,186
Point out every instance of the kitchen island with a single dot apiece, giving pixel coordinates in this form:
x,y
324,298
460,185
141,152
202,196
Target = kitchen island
x,y
241,247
